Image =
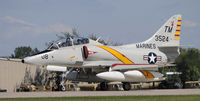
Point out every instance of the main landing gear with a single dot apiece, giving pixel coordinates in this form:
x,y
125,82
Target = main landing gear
x,y
104,86
126,86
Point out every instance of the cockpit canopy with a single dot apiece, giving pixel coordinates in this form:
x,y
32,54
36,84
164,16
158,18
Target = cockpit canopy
x,y
68,42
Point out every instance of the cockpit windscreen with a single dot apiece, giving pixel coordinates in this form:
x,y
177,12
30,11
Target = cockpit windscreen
x,y
68,42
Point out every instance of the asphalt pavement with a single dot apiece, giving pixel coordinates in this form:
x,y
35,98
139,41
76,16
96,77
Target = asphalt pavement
x,y
102,93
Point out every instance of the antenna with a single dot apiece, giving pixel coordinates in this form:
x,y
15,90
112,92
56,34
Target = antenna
x,y
98,39
72,41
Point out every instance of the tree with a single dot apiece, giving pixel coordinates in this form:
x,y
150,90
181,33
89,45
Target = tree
x,y
41,77
188,63
24,51
102,41
28,80
68,34
170,80
34,51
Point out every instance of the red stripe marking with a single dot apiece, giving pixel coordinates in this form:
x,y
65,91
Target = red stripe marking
x,y
177,35
178,30
131,64
179,20
178,25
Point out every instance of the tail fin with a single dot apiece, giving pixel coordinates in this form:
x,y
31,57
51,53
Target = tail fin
x,y
169,34
167,38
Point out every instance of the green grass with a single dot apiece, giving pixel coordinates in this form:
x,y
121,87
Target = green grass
x,y
112,98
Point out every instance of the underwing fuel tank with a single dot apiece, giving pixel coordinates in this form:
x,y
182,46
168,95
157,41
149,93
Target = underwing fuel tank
x,y
131,76
135,74
56,68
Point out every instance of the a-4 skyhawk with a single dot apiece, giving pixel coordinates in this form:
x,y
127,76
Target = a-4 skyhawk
x,y
86,60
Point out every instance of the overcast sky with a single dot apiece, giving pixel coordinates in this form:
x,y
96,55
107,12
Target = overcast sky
x,y
34,22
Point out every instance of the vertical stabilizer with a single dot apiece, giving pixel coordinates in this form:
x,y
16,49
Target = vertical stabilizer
x,y
167,38
169,34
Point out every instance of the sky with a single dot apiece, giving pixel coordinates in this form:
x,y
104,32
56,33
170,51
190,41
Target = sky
x,y
35,22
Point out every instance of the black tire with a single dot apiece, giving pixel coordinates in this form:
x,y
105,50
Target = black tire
x,y
62,88
162,86
126,86
104,86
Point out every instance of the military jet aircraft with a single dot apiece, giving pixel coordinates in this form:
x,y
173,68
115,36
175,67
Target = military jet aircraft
x,y
83,59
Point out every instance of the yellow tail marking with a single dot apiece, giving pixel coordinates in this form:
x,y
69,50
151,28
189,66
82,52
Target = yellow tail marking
x,y
118,55
147,74
178,27
178,23
177,32
176,37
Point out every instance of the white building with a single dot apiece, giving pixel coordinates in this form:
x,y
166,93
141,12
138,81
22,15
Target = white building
x,y
12,74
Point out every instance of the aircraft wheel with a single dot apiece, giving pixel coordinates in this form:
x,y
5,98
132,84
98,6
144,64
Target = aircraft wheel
x,y
103,86
126,86
63,88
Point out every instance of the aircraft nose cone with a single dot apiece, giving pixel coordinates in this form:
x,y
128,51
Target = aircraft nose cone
x,y
23,61
29,60
34,60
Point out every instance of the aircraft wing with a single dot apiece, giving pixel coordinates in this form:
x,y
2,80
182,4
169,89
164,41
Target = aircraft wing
x,y
114,66
98,63
134,67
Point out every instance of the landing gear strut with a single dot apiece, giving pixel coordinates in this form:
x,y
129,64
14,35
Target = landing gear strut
x,y
63,76
126,86
103,86
62,82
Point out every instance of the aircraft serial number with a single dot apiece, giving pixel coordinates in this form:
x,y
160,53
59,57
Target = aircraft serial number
x,y
161,38
44,56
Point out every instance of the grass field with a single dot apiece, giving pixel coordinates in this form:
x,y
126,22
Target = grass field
x,y
112,98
